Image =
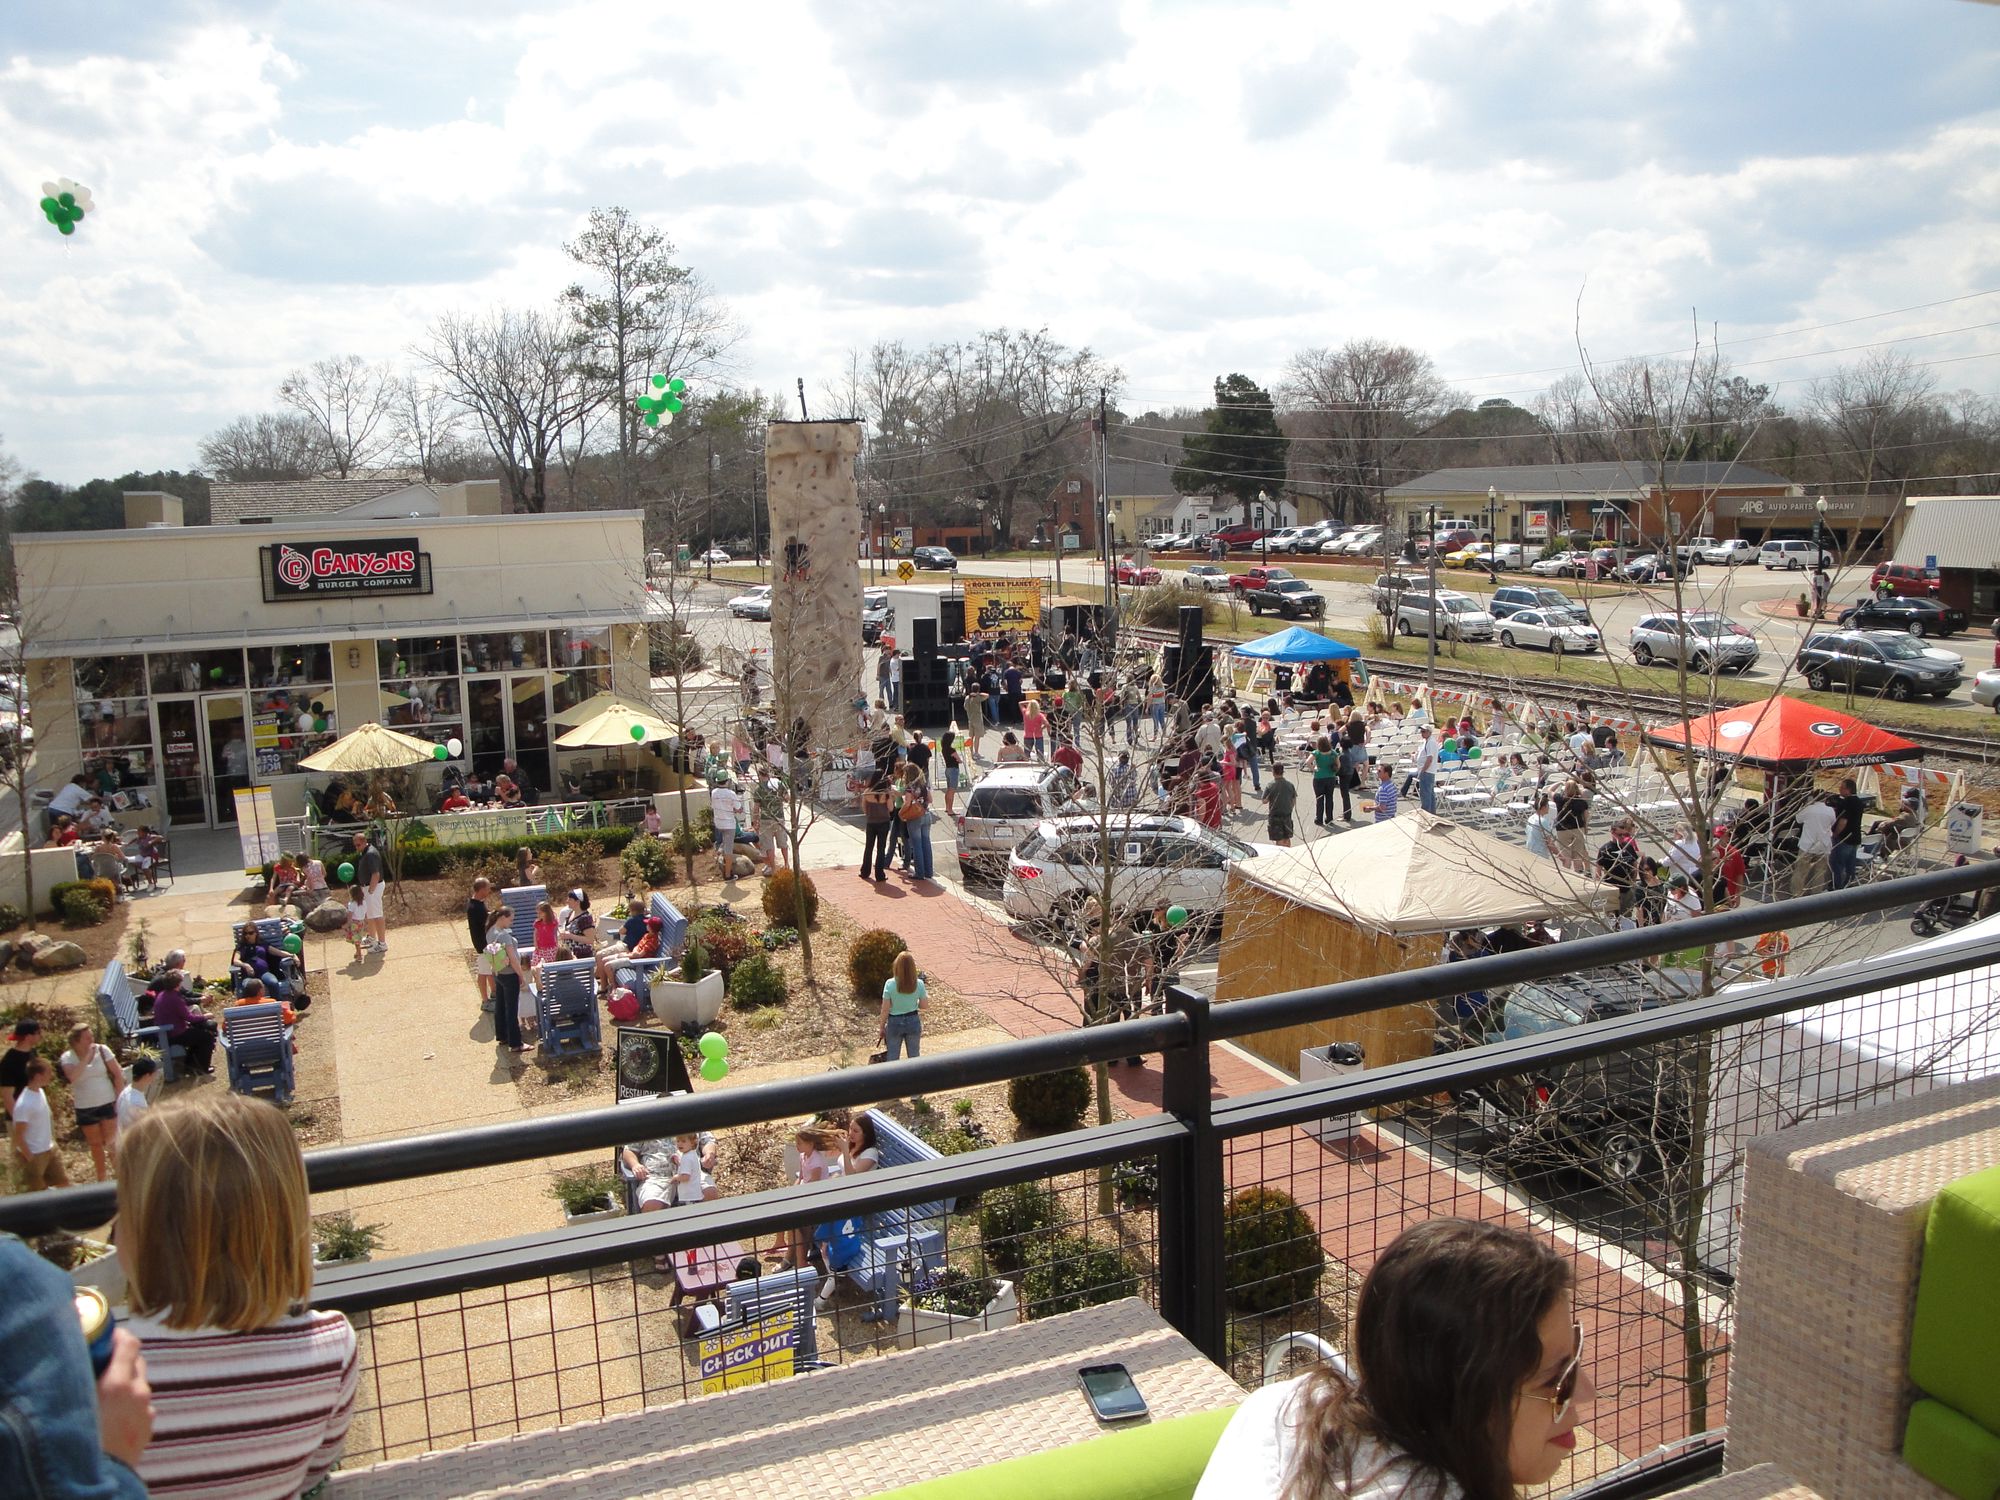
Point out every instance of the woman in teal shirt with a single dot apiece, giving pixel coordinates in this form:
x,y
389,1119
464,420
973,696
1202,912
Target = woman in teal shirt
x,y
903,1008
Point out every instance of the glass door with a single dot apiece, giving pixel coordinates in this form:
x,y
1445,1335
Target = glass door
x,y
183,787
486,721
225,718
529,701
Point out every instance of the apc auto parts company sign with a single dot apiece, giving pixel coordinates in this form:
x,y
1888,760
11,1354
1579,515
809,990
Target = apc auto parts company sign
x,y
315,570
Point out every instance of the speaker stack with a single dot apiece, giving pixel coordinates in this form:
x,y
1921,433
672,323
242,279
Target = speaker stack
x,y
1190,667
951,618
926,678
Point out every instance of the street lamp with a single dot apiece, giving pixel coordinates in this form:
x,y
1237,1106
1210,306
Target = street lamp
x,y
1819,531
1492,534
1264,515
881,536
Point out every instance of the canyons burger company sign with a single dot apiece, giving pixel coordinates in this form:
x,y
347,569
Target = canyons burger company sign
x,y
314,570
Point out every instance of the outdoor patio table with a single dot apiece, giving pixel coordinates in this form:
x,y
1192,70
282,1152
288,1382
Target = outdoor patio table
x,y
702,1273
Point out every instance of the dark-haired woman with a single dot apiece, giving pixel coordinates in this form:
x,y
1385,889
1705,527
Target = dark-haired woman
x,y
1468,1382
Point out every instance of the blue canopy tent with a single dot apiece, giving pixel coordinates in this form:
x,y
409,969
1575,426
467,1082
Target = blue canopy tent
x,y
1295,644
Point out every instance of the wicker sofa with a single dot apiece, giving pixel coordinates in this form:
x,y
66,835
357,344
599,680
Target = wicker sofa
x,y
1835,1215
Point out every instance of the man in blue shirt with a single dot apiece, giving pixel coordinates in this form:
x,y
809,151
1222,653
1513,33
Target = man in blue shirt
x,y
1385,792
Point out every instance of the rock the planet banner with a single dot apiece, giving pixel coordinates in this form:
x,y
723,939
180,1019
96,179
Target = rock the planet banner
x,y
1002,603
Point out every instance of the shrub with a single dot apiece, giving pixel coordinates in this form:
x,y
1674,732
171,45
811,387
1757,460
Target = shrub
x,y
1271,1253
583,1190
338,1237
755,982
427,861
870,961
1159,607
1050,1101
1137,1182
953,1291
84,908
646,861
1011,1221
61,889
726,944
781,898
772,939
687,839
1069,1272
949,1140
11,916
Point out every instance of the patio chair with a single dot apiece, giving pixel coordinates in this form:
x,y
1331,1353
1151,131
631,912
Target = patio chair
x,y
271,932
566,1008
673,926
258,1045
521,901
121,1014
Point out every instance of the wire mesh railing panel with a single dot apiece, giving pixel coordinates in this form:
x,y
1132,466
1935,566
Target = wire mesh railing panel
x,y
544,1351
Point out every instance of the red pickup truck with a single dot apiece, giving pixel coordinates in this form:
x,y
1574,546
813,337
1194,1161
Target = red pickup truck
x,y
1257,577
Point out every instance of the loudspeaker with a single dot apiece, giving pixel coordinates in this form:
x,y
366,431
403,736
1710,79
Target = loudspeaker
x,y
924,639
1197,684
1170,669
1190,629
951,620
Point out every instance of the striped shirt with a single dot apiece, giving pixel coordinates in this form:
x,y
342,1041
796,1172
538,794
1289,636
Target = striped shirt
x,y
247,1416
1385,800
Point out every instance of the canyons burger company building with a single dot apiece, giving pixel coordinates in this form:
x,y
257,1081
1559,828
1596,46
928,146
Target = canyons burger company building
x,y
176,664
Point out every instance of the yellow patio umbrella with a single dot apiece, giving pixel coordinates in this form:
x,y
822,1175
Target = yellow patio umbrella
x,y
595,704
372,747
620,724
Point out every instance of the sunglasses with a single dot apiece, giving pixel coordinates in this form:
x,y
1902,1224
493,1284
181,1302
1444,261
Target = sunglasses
x,y
1563,1392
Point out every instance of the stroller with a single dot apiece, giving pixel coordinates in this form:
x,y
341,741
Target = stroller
x,y
1949,913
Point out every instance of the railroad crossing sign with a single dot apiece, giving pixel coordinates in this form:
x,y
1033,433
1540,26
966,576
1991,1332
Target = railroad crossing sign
x,y
906,570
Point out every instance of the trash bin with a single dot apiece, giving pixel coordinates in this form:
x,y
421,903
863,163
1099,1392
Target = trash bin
x,y
1334,1060
1964,827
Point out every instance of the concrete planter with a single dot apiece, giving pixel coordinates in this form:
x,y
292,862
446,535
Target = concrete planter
x,y
106,1273
608,1211
320,1264
681,1005
917,1326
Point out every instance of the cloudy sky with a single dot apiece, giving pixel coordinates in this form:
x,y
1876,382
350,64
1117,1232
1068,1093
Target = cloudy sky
x,y
1187,186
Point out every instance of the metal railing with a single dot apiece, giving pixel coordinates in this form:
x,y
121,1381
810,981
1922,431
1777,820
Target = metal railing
x,y
568,1323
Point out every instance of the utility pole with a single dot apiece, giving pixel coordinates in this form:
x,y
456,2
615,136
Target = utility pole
x,y
708,468
1104,547
1437,624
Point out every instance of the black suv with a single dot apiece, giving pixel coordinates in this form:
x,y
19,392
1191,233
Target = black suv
x,y
1917,616
1876,661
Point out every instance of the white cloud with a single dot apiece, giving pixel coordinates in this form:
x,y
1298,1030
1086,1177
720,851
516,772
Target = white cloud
x,y
1187,186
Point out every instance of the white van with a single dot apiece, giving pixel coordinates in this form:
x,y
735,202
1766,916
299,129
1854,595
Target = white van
x,y
1793,555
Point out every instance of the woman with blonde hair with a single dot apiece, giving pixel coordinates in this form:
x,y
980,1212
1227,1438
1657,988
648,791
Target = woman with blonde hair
x,y
903,997
252,1390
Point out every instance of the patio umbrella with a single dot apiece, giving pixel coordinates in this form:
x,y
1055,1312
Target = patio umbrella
x,y
615,726
595,704
370,748
1782,734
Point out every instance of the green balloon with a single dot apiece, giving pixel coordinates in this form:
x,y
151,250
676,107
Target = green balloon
x,y
438,752
345,872
714,1044
659,380
67,200
638,731
1176,915
66,226
49,207
714,1070
215,674
674,403
319,725
676,386
294,944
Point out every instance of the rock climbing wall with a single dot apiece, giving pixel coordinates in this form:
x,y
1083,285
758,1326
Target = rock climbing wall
x,y
816,597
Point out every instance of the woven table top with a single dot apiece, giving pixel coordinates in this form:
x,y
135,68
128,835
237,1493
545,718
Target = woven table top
x,y
851,1431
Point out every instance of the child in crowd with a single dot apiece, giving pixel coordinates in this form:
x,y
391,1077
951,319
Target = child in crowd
x,y
819,1160
136,1097
357,922
547,932
692,1181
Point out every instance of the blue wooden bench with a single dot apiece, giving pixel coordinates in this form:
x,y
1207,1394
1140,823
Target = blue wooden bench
x,y
258,1045
566,1007
900,1241
121,1014
673,926
521,901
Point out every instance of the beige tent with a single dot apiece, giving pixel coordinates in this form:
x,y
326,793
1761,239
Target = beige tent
x,y
1375,901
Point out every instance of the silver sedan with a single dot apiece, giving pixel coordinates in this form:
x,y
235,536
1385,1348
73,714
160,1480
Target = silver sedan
x,y
1556,630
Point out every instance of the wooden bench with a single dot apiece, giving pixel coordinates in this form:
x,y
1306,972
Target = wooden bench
x,y
566,1007
521,901
121,1014
673,926
899,1240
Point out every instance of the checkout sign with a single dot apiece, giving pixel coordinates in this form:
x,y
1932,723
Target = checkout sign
x,y
315,570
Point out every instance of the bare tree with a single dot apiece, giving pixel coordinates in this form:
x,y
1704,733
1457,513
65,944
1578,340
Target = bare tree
x,y
1358,413
350,404
520,377
1873,414
265,445
429,429
648,316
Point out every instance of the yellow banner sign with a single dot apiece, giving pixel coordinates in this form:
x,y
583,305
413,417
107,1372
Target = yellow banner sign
x,y
1002,603
765,1349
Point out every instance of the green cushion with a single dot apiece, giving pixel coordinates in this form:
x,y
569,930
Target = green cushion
x,y
1955,1335
1952,1451
1153,1461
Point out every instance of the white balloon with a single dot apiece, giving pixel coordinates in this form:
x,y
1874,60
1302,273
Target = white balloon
x,y
51,189
83,200
454,746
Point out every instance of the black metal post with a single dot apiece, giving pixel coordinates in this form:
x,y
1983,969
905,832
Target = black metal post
x,y
1192,1185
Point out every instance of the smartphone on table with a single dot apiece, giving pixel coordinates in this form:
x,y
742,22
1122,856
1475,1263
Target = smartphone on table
x,y
1111,1393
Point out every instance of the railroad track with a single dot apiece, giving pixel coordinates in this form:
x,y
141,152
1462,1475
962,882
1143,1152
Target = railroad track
x,y
1981,749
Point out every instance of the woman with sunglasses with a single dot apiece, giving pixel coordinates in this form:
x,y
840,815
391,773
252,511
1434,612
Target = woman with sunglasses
x,y
1468,1382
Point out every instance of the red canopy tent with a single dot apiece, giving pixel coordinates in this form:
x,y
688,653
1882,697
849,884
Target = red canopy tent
x,y
1785,735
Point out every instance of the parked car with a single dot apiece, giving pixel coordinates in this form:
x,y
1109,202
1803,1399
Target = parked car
x,y
1178,541
713,555
1557,565
1239,536
1130,572
1471,555
939,558
1451,538
1689,553
753,605
1908,579
1792,554
1284,539
1624,1117
1730,554
875,615
1256,578
1509,555
1986,689
1158,861
1706,641
1389,588
1206,576
1004,808
1452,616
1291,598
1512,597
1553,630
1356,543
1875,661
1920,616
1651,567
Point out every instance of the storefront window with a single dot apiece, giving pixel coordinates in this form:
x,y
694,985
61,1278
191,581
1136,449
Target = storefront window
x,y
505,651
196,671
291,666
110,677
111,702
431,708
571,688
417,656
288,723
580,648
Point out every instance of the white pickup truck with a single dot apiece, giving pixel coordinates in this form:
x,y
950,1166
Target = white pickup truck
x,y
1693,551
